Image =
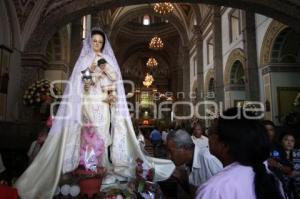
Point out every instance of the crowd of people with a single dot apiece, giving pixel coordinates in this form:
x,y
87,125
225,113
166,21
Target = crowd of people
x,y
234,158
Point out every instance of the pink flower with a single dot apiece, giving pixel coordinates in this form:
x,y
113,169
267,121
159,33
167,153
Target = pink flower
x,y
92,147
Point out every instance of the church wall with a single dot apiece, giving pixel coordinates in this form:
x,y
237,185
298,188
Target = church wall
x,y
227,48
54,75
205,52
262,24
9,40
193,69
5,33
232,97
15,93
226,45
283,79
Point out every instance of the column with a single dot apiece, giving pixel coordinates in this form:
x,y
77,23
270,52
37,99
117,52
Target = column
x,y
200,75
33,69
218,62
186,78
76,42
251,68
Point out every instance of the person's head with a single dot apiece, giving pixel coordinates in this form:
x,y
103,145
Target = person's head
x,y
245,141
197,130
42,136
239,139
288,141
270,127
98,40
180,146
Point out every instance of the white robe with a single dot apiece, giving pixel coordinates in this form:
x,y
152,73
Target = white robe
x,y
60,152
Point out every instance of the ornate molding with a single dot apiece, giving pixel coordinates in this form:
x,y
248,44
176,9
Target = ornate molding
x,y
34,60
23,9
58,65
279,68
271,34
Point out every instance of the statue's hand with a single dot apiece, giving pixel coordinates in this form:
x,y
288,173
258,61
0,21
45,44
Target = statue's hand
x,y
93,67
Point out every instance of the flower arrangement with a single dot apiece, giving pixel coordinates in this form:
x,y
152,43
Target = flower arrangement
x,y
40,92
145,186
117,193
91,148
89,171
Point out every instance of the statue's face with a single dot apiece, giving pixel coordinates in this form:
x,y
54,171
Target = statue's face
x,y
97,42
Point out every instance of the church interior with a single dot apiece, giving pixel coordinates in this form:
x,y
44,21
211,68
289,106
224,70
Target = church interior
x,y
174,56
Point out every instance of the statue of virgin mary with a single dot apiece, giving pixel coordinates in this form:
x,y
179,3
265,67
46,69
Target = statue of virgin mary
x,y
81,103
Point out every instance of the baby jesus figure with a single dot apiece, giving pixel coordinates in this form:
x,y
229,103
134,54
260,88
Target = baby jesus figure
x,y
107,77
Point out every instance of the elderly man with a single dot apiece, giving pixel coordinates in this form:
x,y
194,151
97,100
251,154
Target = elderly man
x,y
200,164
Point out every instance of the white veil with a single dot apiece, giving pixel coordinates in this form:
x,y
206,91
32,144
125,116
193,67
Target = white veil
x,y
69,112
60,153
70,106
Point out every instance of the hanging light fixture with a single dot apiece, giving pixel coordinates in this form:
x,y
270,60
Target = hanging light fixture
x,y
146,20
156,43
163,8
151,62
148,80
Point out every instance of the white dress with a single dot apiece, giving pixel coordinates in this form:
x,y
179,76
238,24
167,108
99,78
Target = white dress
x,y
60,152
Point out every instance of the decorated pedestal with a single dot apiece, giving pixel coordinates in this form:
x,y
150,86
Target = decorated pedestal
x,y
90,181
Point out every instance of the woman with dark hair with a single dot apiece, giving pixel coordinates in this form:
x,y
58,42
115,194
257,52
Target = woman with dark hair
x,y
271,130
242,145
287,168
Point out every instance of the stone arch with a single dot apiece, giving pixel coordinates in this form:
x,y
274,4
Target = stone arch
x,y
286,47
197,13
272,32
59,13
208,78
237,73
236,55
10,14
57,48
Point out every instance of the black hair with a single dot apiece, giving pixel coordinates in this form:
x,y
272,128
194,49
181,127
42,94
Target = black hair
x,y
101,61
286,132
249,145
99,32
200,125
268,122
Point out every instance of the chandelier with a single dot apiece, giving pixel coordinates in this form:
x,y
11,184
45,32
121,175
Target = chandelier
x,y
156,43
163,8
148,80
152,62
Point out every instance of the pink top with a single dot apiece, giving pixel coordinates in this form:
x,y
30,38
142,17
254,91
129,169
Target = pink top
x,y
233,182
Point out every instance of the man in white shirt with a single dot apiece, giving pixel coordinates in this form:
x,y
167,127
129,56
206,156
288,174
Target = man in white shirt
x,y
204,166
200,163
198,138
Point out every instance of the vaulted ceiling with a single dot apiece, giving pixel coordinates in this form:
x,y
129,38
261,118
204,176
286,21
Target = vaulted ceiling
x,y
39,20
